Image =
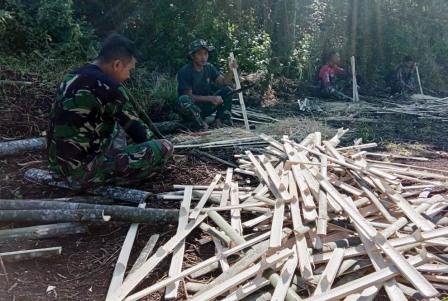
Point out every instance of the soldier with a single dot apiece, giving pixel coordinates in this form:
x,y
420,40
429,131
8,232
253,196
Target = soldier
x,y
402,80
91,107
202,88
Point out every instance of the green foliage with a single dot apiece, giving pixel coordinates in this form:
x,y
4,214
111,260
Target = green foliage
x,y
45,25
157,93
283,37
163,31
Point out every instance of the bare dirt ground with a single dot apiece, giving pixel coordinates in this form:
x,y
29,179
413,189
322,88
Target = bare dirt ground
x,y
84,269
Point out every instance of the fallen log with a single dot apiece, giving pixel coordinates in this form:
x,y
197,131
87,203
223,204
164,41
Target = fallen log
x,y
46,177
43,231
116,212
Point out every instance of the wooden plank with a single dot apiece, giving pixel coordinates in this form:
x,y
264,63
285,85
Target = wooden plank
x,y
331,150
244,275
219,250
286,275
323,203
163,283
255,221
280,188
307,198
301,245
133,280
144,254
392,290
248,206
407,209
235,214
197,210
364,282
277,224
178,253
408,271
330,272
247,289
123,257
226,190
240,95
275,240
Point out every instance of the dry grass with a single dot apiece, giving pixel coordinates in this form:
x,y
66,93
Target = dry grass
x,y
296,128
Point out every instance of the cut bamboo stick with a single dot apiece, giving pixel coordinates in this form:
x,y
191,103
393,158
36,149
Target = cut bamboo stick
x,y
178,253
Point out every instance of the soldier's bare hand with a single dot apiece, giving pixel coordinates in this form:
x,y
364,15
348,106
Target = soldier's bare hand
x,y
232,64
217,100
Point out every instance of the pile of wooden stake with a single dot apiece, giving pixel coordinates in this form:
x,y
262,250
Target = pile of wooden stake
x,y
322,222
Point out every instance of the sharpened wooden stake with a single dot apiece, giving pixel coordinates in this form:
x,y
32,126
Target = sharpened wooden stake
x,y
418,79
355,82
330,272
240,95
178,253
123,257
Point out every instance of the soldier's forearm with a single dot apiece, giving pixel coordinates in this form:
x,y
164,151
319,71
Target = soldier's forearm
x,y
202,99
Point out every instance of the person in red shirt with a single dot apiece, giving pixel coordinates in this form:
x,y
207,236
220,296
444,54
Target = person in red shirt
x,y
328,75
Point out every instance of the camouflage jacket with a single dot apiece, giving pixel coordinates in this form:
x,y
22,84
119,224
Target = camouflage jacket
x,y
84,118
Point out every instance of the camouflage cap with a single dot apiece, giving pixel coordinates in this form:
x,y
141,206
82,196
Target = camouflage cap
x,y
198,44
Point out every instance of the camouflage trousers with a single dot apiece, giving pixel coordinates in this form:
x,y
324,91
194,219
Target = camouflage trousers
x,y
121,165
195,112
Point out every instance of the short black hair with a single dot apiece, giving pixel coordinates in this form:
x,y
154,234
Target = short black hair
x,y
330,54
117,46
408,59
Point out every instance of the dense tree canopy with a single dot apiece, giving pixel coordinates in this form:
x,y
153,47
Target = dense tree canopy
x,y
284,37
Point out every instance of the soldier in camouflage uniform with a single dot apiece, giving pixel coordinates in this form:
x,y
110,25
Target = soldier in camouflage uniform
x,y
90,109
202,88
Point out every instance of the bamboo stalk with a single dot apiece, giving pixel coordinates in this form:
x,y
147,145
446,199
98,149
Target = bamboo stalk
x,y
240,95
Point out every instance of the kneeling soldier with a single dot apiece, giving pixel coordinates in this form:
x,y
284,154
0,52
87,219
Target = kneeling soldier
x,y
91,109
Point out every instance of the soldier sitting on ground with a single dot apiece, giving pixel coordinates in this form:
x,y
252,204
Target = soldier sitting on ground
x,y
203,89
91,107
402,80
330,75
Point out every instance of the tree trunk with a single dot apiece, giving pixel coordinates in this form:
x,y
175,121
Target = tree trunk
x,y
43,231
117,213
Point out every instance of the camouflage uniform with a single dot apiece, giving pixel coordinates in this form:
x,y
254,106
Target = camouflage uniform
x,y
201,83
89,110
194,113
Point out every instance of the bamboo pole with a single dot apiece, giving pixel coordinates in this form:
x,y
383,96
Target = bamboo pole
x,y
418,79
22,255
43,231
53,216
240,95
355,82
